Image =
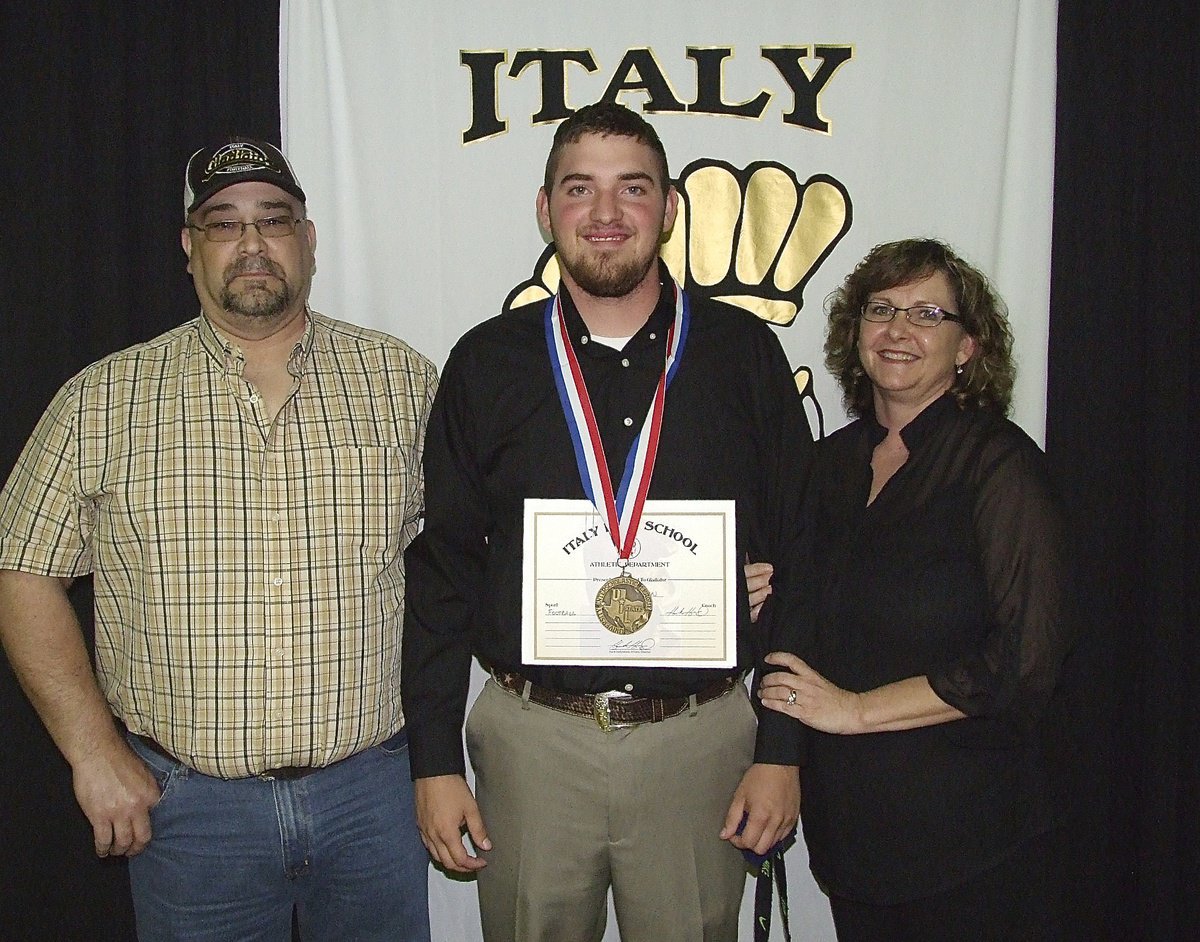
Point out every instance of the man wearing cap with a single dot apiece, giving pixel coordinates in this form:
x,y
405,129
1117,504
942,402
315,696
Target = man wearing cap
x,y
598,466
243,488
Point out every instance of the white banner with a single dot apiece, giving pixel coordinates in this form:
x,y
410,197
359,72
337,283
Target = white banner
x,y
802,134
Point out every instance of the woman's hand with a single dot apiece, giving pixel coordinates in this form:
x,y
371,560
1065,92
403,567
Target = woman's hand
x,y
804,694
758,584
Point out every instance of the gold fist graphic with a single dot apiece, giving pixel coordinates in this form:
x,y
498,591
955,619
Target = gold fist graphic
x,y
754,237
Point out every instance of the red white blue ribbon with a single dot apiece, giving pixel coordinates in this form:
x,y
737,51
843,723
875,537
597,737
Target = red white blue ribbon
x,y
622,510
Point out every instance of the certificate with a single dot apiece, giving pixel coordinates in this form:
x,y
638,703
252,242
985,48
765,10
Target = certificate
x,y
673,604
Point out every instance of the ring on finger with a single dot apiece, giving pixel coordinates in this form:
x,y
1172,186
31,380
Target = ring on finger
x,y
791,698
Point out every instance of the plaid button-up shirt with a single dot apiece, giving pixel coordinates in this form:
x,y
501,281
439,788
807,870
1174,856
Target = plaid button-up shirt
x,y
249,574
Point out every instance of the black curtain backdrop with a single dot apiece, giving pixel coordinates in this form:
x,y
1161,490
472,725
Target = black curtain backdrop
x,y
102,103
1123,411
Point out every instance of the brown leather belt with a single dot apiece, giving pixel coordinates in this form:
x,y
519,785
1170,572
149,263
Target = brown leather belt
x,y
287,773
611,710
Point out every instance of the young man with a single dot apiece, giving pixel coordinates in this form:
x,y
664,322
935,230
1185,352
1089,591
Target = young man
x,y
601,772
243,488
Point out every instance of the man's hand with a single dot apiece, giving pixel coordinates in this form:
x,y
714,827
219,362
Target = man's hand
x,y
45,646
444,805
116,791
769,797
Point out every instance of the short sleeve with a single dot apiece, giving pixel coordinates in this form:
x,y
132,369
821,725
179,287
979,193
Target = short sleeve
x,y
45,526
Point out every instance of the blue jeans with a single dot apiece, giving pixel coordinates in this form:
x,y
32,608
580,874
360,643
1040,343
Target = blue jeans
x,y
229,859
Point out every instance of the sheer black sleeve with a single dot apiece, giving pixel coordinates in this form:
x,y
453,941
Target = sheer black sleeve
x,y
1021,537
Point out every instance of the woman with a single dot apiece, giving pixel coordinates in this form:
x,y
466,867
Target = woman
x,y
938,627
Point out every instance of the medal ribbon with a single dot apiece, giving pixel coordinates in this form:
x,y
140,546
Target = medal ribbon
x,y
622,511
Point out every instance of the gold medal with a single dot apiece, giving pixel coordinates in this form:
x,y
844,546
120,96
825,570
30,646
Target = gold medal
x,y
623,605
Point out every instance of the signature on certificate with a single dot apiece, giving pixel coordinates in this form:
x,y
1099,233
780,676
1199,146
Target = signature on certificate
x,y
690,611
632,646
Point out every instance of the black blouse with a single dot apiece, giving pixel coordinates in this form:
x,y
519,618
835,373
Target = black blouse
x,y
955,571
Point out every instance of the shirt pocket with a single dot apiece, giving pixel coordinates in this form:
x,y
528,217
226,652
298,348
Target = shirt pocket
x,y
368,491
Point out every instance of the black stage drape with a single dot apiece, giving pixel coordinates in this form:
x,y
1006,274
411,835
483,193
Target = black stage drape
x,y
1122,437
102,103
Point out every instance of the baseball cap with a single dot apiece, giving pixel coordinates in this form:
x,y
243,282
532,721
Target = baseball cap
x,y
231,161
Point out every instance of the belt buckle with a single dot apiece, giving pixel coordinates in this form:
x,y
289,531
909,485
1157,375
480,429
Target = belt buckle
x,y
601,712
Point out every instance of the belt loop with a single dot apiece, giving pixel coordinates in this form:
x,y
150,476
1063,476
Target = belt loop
x,y
525,692
693,706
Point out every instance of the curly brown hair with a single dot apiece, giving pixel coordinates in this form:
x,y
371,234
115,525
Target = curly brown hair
x,y
987,378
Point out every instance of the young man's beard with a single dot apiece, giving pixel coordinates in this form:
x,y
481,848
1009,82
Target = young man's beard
x,y
605,277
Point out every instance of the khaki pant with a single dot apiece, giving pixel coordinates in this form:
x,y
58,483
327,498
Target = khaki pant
x,y
572,810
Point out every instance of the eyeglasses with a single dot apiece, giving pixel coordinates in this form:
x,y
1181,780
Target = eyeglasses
x,y
230,230
921,315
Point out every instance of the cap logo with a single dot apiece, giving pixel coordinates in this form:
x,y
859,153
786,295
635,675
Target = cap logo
x,y
238,158
209,172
